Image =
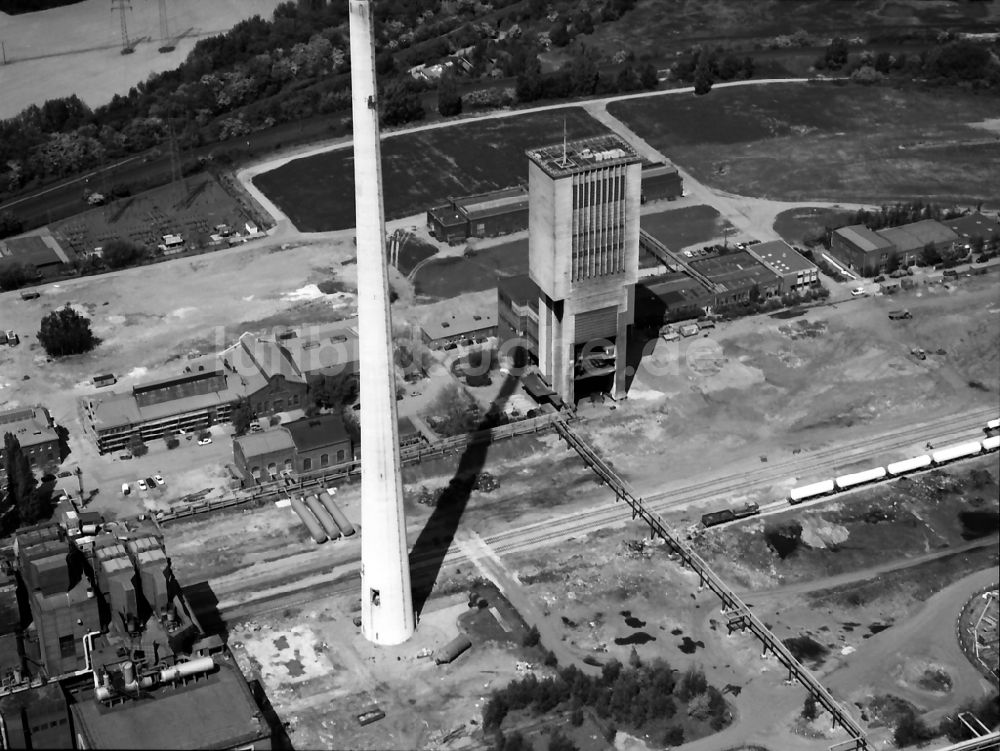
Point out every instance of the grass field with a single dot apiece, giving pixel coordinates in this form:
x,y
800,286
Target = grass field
x,y
796,226
448,277
680,228
827,142
420,169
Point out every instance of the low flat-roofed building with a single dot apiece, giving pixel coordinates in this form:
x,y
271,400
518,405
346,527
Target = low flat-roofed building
x,y
447,224
37,717
329,350
735,275
35,431
973,225
212,710
459,328
38,250
795,272
860,248
671,297
498,212
517,317
661,180
909,240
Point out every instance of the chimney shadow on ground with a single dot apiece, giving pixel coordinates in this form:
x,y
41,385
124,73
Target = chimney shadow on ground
x,y
431,546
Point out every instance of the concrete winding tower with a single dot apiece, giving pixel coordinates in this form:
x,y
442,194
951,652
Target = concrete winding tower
x,y
583,253
386,599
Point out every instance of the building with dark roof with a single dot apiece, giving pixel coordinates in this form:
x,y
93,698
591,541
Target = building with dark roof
x,y
661,180
861,249
974,225
498,212
795,272
909,240
517,319
35,432
301,446
39,251
671,297
736,275
37,717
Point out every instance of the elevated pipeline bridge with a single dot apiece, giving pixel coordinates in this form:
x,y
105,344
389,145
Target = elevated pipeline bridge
x,y
739,616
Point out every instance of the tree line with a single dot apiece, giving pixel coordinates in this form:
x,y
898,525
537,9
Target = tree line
x,y
262,73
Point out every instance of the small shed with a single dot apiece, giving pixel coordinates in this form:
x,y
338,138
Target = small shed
x,y
452,649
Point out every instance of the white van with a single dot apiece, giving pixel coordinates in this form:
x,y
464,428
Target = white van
x,y
126,489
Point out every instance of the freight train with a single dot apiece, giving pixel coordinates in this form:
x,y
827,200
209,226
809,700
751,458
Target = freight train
x,y
895,469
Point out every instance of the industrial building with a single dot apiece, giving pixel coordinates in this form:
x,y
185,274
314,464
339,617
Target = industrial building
x,y
909,240
113,656
860,248
459,329
35,432
272,373
491,214
795,272
736,275
671,297
298,447
517,319
661,180
969,227
583,253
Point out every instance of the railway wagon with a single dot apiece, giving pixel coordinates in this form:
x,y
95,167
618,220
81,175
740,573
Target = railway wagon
x,y
992,443
992,426
309,520
816,489
859,478
909,465
728,515
321,514
958,451
346,528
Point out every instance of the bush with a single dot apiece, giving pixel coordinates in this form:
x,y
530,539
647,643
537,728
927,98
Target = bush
x,y
784,537
172,442
15,275
532,638
118,254
910,730
674,736
693,683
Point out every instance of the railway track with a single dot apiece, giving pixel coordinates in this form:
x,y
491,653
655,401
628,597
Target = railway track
x,y
535,535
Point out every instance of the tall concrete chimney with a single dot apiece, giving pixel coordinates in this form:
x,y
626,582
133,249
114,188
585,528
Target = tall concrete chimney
x,y
386,600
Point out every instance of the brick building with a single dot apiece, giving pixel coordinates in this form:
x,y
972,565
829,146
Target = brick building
x,y
863,250
795,272
35,431
298,447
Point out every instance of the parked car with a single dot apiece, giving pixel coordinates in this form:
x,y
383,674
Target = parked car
x,y
858,292
126,489
204,441
159,480
142,485
150,483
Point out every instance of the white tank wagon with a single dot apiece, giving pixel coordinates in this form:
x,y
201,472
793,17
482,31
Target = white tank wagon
x,y
958,451
992,443
323,516
909,465
993,425
816,489
859,478
314,527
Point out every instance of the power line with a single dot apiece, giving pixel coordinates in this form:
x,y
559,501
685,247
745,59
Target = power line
x,y
121,6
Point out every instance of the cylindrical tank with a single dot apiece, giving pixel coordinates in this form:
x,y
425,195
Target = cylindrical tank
x,y
128,673
309,520
329,525
191,667
452,649
346,528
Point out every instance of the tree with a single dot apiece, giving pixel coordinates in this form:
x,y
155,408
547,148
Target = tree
x,y
241,416
583,23
911,729
691,684
809,711
136,446
10,224
118,254
583,74
929,255
400,105
836,54
449,100
66,332
702,76
633,659
559,33
532,637
560,742
648,76
729,68
674,736
15,275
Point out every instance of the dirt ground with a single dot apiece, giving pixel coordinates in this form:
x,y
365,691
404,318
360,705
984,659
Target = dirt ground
x,y
75,49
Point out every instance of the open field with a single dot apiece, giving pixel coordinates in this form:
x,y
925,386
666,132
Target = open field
x,y
75,49
680,228
784,141
447,277
420,169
